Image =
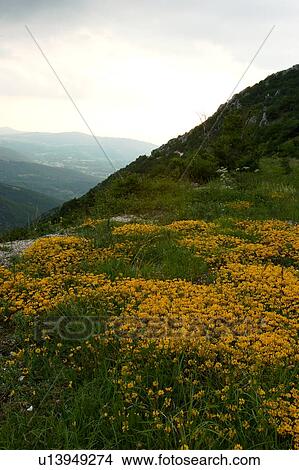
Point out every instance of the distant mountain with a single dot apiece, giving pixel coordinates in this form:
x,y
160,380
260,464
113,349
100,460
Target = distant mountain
x,y
8,131
19,206
11,155
259,122
75,150
59,183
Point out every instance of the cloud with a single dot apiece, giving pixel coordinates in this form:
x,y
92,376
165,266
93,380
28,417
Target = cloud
x,y
173,26
15,10
138,67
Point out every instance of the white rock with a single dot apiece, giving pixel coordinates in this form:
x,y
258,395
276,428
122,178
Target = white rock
x,y
124,218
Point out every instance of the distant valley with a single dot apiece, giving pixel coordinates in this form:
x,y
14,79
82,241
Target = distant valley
x,y
61,183
75,150
39,171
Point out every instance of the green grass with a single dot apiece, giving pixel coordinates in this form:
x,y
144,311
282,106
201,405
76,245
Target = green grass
x,y
273,193
73,411
153,257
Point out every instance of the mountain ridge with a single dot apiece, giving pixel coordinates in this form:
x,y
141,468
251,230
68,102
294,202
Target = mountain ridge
x,y
82,135
262,111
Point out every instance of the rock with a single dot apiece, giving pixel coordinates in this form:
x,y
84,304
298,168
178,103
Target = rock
x,y
124,218
252,120
9,250
264,120
234,103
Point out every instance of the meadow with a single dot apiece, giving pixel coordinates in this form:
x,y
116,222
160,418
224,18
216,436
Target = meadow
x,y
177,330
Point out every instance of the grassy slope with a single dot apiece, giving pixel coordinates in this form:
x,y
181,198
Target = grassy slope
x,y
10,154
168,199
233,137
120,391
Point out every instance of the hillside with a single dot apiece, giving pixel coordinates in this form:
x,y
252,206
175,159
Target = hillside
x,y
178,334
51,186
19,206
258,124
60,183
11,155
261,121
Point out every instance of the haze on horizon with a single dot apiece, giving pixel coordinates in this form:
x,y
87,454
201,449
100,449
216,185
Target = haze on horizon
x,y
140,69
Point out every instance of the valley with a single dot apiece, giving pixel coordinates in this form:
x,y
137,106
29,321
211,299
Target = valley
x,y
59,166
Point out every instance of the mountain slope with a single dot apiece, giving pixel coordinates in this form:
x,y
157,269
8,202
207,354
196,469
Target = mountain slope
x,y
259,122
60,183
19,206
10,154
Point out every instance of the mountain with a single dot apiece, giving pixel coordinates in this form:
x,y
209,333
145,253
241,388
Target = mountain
x,y
9,154
60,183
75,150
260,122
19,206
8,131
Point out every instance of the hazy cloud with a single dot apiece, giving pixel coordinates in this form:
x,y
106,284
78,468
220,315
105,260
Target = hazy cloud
x,y
138,61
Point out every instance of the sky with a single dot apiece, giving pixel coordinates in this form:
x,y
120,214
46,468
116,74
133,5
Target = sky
x,y
142,69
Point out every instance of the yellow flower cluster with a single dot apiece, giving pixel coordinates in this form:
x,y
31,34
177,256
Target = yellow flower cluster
x,y
273,240
64,254
190,226
91,223
285,415
136,229
248,314
244,321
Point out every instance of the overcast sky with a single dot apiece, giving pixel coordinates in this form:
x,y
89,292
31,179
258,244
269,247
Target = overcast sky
x,y
145,69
